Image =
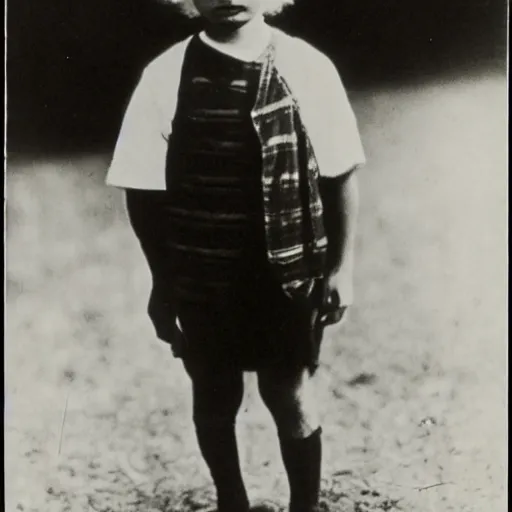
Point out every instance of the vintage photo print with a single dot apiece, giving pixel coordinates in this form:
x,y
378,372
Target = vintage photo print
x,y
256,256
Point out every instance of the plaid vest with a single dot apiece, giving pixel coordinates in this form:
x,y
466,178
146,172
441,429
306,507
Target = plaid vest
x,y
295,235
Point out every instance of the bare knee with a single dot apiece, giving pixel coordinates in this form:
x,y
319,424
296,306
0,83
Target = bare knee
x,y
290,400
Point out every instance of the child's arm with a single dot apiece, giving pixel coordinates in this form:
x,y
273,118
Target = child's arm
x,y
340,199
143,212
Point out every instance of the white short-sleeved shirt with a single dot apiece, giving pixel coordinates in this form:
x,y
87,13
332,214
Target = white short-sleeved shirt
x,y
139,159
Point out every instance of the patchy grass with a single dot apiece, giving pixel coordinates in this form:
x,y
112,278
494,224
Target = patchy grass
x,y
412,387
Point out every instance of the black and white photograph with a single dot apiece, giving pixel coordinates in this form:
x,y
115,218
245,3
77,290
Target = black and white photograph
x,y
256,256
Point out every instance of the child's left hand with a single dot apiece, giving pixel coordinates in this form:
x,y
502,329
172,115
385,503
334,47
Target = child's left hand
x,y
341,282
338,295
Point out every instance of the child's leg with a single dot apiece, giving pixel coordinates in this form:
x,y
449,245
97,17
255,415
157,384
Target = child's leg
x,y
289,396
217,395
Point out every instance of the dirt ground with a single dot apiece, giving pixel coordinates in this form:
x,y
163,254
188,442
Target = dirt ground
x,y
412,388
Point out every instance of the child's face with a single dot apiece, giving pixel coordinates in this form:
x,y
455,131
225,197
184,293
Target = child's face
x,y
229,12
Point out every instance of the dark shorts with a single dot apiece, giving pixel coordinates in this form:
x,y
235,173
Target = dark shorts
x,y
256,328
253,326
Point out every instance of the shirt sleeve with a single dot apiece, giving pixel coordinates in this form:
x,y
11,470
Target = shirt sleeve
x,y
140,152
333,128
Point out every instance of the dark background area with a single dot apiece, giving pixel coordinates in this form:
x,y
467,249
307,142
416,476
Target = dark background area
x,y
72,65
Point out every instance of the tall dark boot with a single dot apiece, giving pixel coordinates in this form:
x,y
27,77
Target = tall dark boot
x,y
302,460
217,442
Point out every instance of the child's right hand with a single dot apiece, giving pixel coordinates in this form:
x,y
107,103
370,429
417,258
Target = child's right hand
x,y
166,323
174,337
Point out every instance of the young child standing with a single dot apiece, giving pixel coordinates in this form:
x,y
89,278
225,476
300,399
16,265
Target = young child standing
x,y
237,153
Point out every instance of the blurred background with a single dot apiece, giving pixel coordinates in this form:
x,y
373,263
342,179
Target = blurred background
x,y
412,388
72,65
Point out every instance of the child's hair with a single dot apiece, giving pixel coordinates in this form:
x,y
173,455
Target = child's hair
x,y
187,6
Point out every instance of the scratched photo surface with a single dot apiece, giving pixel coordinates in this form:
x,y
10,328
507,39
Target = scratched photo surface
x,y
412,387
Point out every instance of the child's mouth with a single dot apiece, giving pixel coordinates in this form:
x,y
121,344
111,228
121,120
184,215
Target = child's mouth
x,y
229,10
